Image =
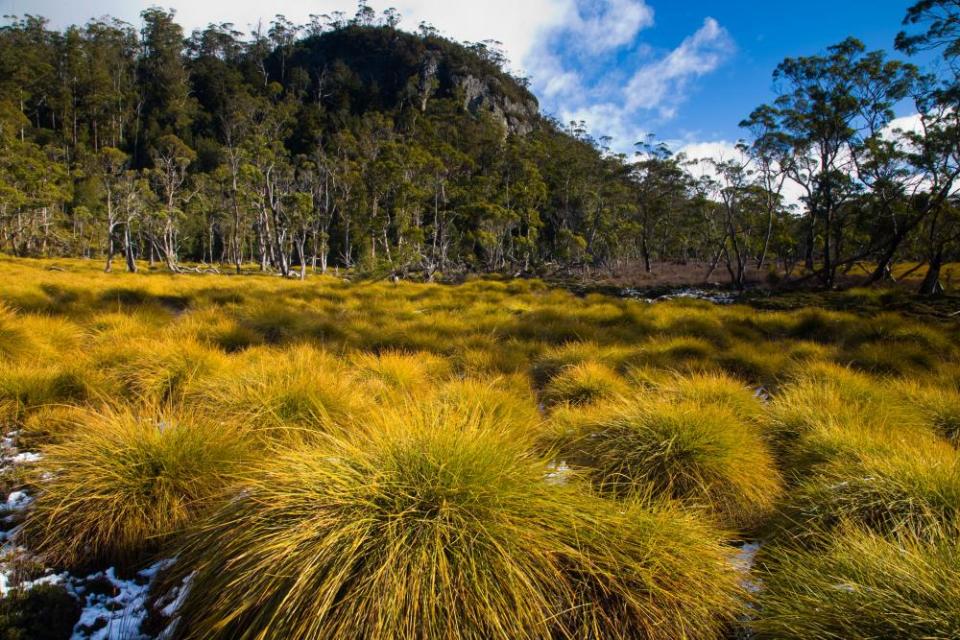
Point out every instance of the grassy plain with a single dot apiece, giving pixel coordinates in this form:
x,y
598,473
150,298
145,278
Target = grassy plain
x,y
495,459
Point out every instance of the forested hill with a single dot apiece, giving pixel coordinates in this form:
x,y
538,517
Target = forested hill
x,y
349,142
358,69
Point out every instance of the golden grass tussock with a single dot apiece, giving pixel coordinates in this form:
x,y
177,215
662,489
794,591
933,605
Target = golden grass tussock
x,y
26,387
498,458
907,489
506,401
583,384
701,453
50,424
715,389
825,395
939,405
271,390
163,370
14,341
862,587
123,481
437,524
397,371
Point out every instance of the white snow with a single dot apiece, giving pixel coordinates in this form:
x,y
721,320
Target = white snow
x,y
18,501
116,616
26,457
558,473
716,297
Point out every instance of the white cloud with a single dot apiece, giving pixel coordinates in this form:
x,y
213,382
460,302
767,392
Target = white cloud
x,y
608,119
625,109
724,150
662,84
600,25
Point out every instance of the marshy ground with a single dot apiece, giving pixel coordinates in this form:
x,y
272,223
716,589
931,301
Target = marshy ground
x,y
212,457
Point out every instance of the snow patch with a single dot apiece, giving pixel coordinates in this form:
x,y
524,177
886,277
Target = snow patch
x,y
716,297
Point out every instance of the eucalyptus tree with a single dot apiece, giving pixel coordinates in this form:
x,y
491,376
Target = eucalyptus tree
x,y
171,159
111,164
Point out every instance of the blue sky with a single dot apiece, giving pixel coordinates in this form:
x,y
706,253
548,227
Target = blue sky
x,y
691,71
687,71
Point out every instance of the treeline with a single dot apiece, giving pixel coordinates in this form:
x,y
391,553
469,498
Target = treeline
x,y
348,142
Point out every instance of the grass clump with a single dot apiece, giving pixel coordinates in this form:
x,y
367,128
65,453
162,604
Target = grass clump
x,y
912,490
702,454
583,384
438,524
27,387
14,342
397,371
162,371
863,587
505,401
282,390
124,481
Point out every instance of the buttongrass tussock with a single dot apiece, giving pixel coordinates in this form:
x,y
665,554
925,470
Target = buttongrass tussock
x,y
123,481
700,453
162,371
28,386
14,341
398,371
864,586
584,384
277,391
499,458
437,524
910,488
505,401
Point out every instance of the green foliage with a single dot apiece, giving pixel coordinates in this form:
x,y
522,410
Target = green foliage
x,y
43,612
